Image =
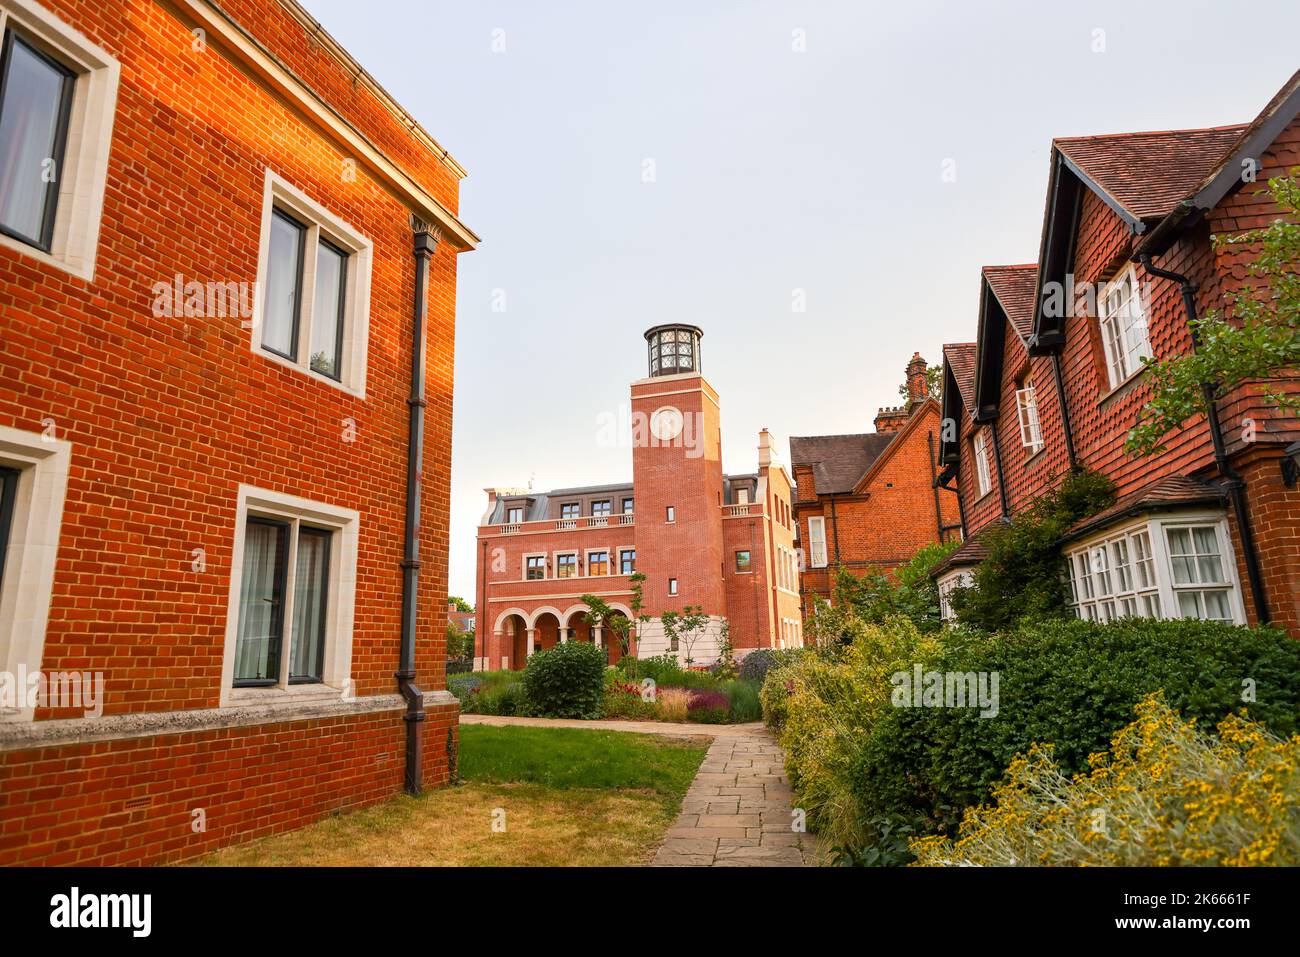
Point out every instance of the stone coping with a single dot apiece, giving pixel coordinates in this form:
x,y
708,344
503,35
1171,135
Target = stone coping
x,y
28,735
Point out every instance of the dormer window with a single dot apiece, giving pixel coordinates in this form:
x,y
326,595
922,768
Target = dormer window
x,y
514,514
601,507
569,510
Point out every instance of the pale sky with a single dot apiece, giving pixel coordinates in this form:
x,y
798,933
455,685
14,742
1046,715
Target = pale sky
x,y
774,170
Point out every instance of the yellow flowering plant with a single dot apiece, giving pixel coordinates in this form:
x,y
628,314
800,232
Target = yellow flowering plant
x,y
1166,794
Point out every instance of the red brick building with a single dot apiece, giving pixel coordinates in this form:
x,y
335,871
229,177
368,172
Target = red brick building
x,y
226,332
723,543
1210,527
868,502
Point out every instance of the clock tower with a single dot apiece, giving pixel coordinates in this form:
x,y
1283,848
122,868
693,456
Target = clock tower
x,y
678,483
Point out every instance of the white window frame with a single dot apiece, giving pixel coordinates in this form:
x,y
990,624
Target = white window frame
x,y
280,194
42,462
523,566
742,496
983,473
672,586
336,675
1031,429
1125,331
949,583
82,180
817,541
1103,588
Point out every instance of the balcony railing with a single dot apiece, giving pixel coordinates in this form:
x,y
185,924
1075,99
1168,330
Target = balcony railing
x,y
739,511
564,524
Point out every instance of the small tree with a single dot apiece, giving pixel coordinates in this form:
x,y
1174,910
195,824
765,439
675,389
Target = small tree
x,y
1256,338
685,628
461,604
619,626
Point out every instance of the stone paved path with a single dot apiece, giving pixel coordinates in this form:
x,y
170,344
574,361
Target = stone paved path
x,y
737,812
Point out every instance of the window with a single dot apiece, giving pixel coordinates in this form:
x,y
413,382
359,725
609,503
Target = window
x,y
58,97
514,514
1201,583
598,563
33,483
1166,568
1123,327
566,566
670,514
742,561
947,585
673,351
627,561
601,507
569,510
982,472
269,577
1031,432
534,567
672,586
293,591
742,496
817,541
8,500
313,292
627,506
35,107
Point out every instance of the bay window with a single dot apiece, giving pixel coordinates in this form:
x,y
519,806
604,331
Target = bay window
x,y
1170,567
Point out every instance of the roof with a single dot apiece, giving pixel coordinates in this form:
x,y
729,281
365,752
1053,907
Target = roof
x,y
1015,287
1148,174
838,461
1172,491
973,551
960,357
1226,175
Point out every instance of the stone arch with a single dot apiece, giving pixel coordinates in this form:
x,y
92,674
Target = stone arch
x,y
538,612
501,618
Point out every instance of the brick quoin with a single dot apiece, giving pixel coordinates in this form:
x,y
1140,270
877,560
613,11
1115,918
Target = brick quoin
x,y
168,417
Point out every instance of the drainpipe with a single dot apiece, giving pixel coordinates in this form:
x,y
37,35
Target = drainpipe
x,y
997,462
942,481
835,527
934,485
425,243
1234,483
1065,409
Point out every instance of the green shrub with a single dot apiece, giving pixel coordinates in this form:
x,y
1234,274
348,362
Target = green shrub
x,y
1021,578
1074,685
909,592
666,672
743,697
568,681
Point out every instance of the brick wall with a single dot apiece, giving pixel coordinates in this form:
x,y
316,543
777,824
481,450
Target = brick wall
x,y
168,417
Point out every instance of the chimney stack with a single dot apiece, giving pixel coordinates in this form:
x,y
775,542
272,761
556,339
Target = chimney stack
x,y
918,387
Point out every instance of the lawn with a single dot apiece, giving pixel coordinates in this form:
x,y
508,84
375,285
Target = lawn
x,y
564,796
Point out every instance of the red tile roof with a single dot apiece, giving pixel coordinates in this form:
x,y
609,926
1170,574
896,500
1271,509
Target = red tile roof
x,y
960,356
1015,287
1172,491
972,551
1148,174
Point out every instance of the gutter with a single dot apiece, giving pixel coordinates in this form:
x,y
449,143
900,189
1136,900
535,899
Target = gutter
x,y
1234,483
425,244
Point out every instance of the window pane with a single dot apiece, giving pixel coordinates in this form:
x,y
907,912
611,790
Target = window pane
x,y
8,495
283,287
261,603
310,593
327,311
1188,607
1216,606
742,561
33,121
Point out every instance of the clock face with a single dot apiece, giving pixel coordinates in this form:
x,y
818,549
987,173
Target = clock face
x,y
666,423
